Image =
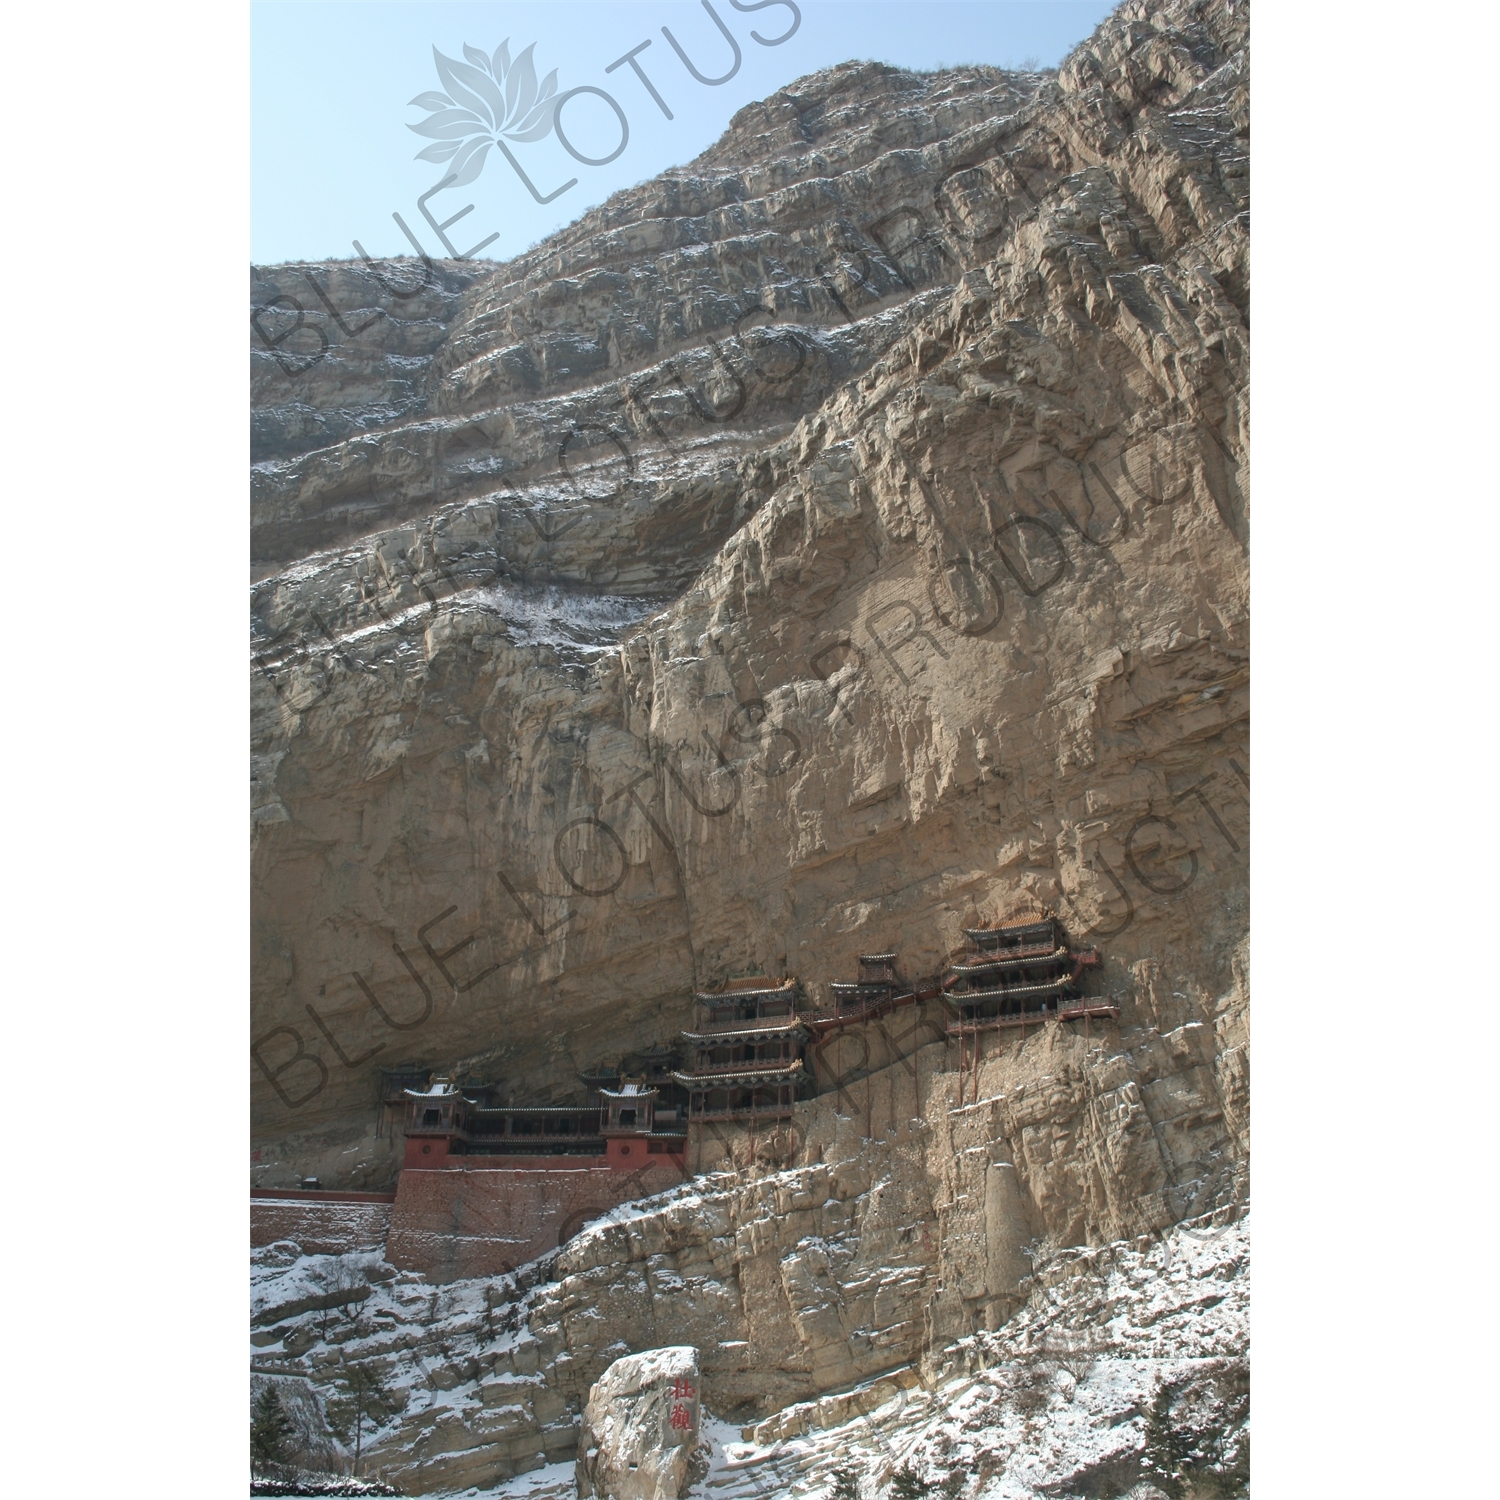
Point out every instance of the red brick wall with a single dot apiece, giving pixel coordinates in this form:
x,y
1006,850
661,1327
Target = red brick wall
x,y
625,1155
457,1218
463,1221
426,1152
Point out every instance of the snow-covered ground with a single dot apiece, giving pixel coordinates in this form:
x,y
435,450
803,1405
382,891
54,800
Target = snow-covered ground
x,y
1128,1362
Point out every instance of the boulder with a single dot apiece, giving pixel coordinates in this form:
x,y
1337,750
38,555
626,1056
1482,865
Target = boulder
x,y
640,1427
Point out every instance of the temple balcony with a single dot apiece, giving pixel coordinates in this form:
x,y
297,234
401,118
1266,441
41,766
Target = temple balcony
x,y
746,1112
1068,1010
534,1145
1015,935
1050,987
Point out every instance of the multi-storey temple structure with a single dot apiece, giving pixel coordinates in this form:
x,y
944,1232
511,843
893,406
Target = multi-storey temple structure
x,y
1019,975
873,993
636,1114
520,1179
745,1056
444,1120
747,1047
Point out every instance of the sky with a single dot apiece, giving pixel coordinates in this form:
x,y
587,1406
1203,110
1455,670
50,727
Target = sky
x,y
333,159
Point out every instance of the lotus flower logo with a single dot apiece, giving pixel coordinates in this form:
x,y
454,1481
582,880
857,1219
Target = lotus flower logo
x,y
488,97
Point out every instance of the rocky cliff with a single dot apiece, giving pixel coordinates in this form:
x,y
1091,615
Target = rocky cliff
x,y
821,546
891,1303
825,546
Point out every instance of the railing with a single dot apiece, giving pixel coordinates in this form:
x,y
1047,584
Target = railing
x,y
1102,1009
861,1010
746,1112
537,1145
927,988
990,958
489,1131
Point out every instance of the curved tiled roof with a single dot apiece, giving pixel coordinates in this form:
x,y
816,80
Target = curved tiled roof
x,y
770,1026
1001,928
750,1073
1002,960
1006,992
786,987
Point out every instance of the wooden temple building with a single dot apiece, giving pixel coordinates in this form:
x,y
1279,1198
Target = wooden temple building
x,y
1020,974
653,1065
747,1045
745,1057
878,990
871,994
488,1184
445,1120
636,1111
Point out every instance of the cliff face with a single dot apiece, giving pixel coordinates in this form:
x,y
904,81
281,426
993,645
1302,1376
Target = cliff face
x,y
824,546
896,1298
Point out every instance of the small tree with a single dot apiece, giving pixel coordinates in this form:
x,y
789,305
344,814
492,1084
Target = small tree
x,y
364,1396
270,1431
845,1483
1183,1461
339,1280
1074,1356
907,1484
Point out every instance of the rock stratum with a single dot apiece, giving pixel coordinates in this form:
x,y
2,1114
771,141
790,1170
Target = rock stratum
x,y
828,545
1123,1370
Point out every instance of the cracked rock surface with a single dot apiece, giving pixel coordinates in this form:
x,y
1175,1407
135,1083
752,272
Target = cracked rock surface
x,y
756,642
828,545
1124,1364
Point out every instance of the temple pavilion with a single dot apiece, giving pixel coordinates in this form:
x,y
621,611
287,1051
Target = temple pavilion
x,y
1019,974
472,1123
745,1056
746,1047
877,990
636,1108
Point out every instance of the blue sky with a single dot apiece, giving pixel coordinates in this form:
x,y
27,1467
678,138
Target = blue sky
x,y
332,157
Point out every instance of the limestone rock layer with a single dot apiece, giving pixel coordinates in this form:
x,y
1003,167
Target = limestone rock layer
x,y
1111,1363
825,546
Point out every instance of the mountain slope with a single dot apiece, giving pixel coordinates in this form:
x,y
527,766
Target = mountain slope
x,y
827,545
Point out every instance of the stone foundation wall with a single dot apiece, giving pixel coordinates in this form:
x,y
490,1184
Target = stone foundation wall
x,y
322,1223
459,1222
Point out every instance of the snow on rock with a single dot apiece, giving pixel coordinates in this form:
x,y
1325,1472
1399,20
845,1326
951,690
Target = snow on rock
x,y
640,1427
1126,1371
1126,1366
